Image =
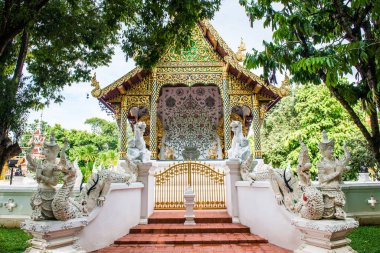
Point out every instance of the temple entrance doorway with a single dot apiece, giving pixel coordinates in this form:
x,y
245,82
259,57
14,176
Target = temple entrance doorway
x,y
190,118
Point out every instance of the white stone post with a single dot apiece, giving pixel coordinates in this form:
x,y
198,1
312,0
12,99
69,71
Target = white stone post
x,y
324,236
147,194
189,205
232,176
54,236
364,177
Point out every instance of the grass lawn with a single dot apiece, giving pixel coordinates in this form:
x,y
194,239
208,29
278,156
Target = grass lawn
x,y
365,239
13,240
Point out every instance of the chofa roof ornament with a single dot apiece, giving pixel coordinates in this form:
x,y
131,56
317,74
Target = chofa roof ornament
x,y
97,91
240,54
284,89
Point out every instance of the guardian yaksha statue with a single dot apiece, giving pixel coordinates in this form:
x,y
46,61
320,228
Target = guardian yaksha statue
x,y
330,170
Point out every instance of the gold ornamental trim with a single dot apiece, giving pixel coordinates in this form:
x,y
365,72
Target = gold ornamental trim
x,y
136,101
206,181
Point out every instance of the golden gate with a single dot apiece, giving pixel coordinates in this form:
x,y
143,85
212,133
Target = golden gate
x,y
206,181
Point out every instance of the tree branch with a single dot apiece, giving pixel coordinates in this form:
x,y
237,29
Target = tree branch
x,y
345,20
21,57
351,112
10,32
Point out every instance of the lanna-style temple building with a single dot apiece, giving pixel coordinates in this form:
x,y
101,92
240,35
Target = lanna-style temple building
x,y
189,99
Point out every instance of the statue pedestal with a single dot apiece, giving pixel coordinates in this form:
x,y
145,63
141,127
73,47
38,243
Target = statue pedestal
x,y
324,236
54,236
147,195
189,206
232,176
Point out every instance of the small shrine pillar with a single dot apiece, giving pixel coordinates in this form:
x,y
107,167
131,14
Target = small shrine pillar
x,y
153,116
226,112
256,126
123,128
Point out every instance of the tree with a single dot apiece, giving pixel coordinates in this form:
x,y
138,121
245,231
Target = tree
x,y
303,115
323,41
61,41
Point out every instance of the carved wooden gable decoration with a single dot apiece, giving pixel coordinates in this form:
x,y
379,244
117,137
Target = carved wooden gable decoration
x,y
207,61
200,52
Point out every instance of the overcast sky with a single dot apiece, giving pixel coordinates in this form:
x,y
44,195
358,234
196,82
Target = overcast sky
x,y
232,24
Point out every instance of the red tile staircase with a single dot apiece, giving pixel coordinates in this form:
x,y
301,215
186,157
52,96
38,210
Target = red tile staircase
x,y
213,232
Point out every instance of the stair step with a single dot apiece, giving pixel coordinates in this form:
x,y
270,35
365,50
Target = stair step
x,y
181,228
195,248
205,238
201,216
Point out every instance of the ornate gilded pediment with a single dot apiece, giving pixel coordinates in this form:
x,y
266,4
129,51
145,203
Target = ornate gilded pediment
x,y
200,51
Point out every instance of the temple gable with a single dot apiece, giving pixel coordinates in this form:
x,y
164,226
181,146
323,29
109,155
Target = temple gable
x,y
200,51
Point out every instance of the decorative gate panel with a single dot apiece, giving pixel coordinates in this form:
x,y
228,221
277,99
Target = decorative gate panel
x,y
207,184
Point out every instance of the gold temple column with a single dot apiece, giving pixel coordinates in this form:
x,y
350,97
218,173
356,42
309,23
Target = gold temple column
x,y
226,113
153,116
123,128
256,126
118,123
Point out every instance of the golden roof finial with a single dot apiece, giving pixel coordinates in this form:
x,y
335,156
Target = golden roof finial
x,y
284,89
97,91
240,54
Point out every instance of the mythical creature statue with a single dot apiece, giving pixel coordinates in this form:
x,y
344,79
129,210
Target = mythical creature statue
x,y
234,151
47,203
298,195
95,191
137,150
63,206
330,172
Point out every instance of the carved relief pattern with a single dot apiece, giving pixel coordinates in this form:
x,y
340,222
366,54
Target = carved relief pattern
x,y
137,101
240,100
236,86
256,131
189,64
200,51
191,69
123,129
141,88
153,117
188,79
227,111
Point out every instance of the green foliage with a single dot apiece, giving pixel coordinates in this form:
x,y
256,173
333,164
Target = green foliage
x,y
365,239
59,42
322,41
87,148
13,240
303,115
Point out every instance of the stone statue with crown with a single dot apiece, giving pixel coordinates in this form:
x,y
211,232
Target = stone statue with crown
x,y
47,203
330,170
47,179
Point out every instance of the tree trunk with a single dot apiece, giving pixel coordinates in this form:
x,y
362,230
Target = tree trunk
x,y
7,150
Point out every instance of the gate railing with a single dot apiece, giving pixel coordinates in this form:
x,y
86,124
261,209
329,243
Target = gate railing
x,y
207,184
